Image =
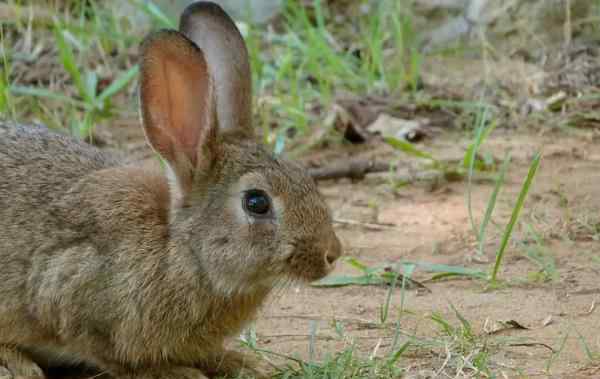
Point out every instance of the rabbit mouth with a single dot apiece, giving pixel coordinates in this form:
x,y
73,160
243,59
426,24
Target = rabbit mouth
x,y
312,258
307,263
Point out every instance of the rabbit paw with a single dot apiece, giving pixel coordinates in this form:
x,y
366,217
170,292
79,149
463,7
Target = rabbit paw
x,y
15,365
232,364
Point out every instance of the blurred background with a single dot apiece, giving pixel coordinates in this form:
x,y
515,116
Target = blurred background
x,y
71,63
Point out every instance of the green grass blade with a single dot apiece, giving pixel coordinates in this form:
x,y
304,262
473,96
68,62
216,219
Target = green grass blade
x,y
394,358
515,216
415,69
156,14
584,345
409,149
119,84
492,202
5,98
44,93
319,15
357,264
344,280
388,298
443,275
482,134
452,270
466,325
407,271
556,353
471,156
71,39
67,58
447,328
91,83
4,95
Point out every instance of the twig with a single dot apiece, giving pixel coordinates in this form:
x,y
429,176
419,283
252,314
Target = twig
x,y
533,344
355,169
366,225
358,169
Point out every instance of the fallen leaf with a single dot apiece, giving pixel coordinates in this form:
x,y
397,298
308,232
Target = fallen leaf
x,y
502,326
407,130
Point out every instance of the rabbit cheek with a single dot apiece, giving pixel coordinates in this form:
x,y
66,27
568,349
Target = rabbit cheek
x,y
262,248
241,254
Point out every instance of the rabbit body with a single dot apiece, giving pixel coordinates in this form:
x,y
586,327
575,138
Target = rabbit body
x,y
143,272
83,280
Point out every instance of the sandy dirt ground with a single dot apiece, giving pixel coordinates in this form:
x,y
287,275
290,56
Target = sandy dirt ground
x,y
433,226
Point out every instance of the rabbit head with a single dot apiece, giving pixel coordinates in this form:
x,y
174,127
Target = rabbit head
x,y
249,218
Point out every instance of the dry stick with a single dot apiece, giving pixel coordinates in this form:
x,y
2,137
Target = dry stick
x,y
356,169
531,344
366,225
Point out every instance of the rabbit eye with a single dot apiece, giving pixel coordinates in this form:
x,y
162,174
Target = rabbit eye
x,y
256,202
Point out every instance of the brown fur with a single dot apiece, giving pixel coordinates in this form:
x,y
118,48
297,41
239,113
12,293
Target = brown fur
x,y
138,273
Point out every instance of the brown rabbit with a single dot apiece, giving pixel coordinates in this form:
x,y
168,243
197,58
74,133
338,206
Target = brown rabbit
x,y
142,274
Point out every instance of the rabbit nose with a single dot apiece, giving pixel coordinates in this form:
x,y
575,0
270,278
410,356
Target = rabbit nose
x,y
334,252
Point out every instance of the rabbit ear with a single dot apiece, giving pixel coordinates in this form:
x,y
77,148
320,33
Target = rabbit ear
x,y
177,104
215,33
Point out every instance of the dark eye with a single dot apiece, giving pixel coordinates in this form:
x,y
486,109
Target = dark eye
x,y
257,202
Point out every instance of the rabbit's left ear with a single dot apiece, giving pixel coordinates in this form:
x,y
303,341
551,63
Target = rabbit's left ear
x,y
177,105
215,33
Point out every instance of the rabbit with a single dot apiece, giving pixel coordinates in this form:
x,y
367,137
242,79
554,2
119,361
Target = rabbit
x,y
143,272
